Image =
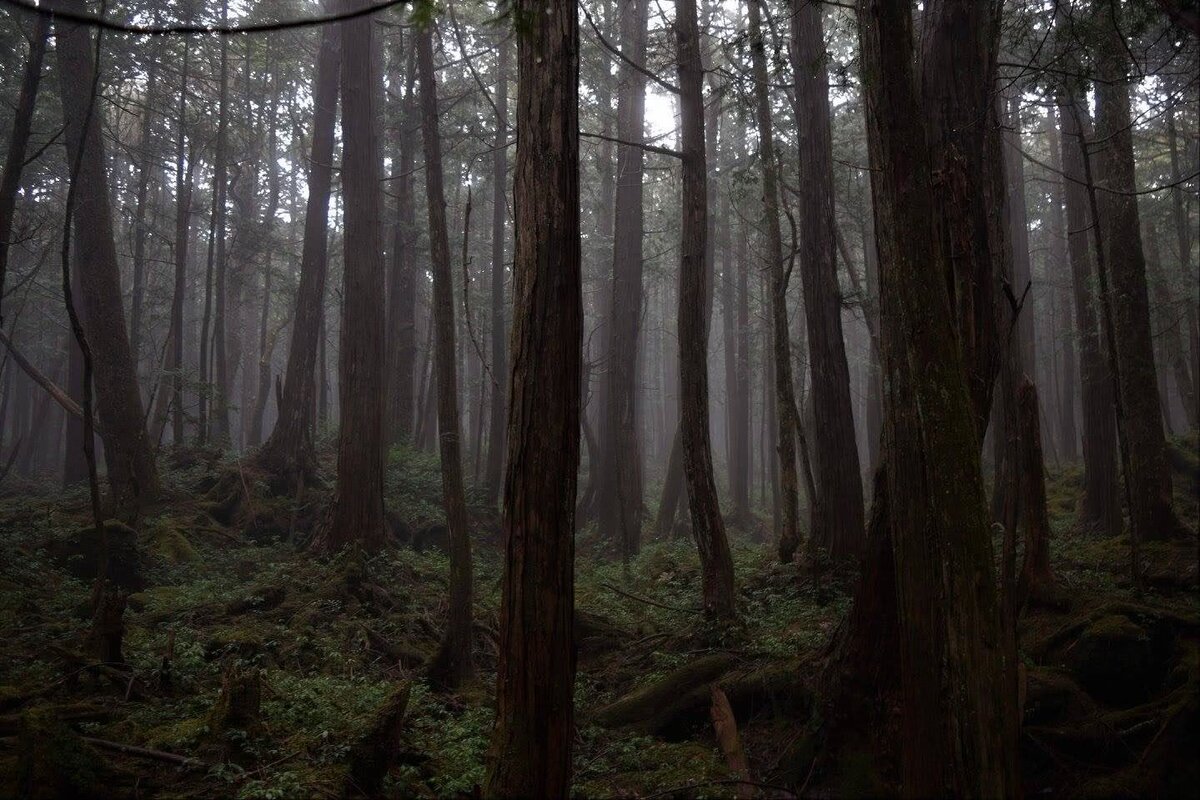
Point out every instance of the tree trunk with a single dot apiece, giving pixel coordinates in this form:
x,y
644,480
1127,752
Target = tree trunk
x,y
1183,238
838,523
1060,265
452,664
1151,513
1171,337
132,473
531,744
620,485
356,515
266,340
1100,505
1037,578
219,385
958,705
183,211
14,162
785,433
289,450
708,528
499,324
148,143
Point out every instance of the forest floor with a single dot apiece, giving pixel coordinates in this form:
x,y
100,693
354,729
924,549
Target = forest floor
x,y
311,651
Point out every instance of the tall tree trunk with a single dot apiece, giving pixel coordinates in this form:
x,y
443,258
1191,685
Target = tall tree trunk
x,y
1151,514
356,515
535,726
1037,577
708,528
1171,337
14,162
452,664
132,473
785,433
1183,238
147,141
1100,505
183,212
289,450
402,287
1060,265
219,380
620,485
958,704
838,522
499,324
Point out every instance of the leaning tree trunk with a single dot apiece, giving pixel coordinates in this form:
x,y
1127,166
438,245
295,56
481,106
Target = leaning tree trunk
x,y
289,451
1100,504
708,528
132,473
620,485
1148,478
958,704
777,277
14,162
535,725
452,664
356,515
838,523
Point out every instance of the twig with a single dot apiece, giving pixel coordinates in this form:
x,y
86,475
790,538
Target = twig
x,y
647,601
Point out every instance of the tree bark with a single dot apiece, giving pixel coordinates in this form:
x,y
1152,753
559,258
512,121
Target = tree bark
x,y
785,432
132,473
708,528
14,162
218,381
183,213
452,664
148,144
1183,238
1037,577
531,744
1060,265
1171,337
402,289
499,324
1148,477
839,526
289,450
620,485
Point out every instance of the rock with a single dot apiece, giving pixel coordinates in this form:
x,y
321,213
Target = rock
x,y
1114,660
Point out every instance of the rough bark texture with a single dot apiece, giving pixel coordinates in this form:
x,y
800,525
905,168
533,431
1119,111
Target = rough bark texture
x,y
708,528
1171,334
183,218
777,277
838,518
535,725
620,485
1100,504
14,161
356,515
289,450
132,473
1151,514
1184,240
958,719
452,664
1037,578
219,381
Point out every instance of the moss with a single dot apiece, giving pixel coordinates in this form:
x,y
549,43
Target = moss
x,y
53,762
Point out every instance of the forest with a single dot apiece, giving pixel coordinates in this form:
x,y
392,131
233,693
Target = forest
x,y
599,399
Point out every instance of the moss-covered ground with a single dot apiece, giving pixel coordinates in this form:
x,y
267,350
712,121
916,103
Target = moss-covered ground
x,y
330,639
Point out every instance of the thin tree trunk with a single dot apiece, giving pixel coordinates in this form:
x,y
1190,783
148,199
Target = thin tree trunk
x,y
1183,237
452,664
1060,266
499,324
535,724
219,380
289,450
785,433
14,162
1037,577
402,295
1171,337
838,516
620,484
148,144
183,221
708,528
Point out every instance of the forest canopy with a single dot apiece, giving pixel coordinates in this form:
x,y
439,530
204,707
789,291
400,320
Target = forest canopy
x,y
733,398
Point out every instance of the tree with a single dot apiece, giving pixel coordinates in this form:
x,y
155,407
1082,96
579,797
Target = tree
x,y
785,433
535,725
838,523
452,663
620,484
708,529
14,161
402,295
356,515
1147,473
289,452
499,327
957,691
132,473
